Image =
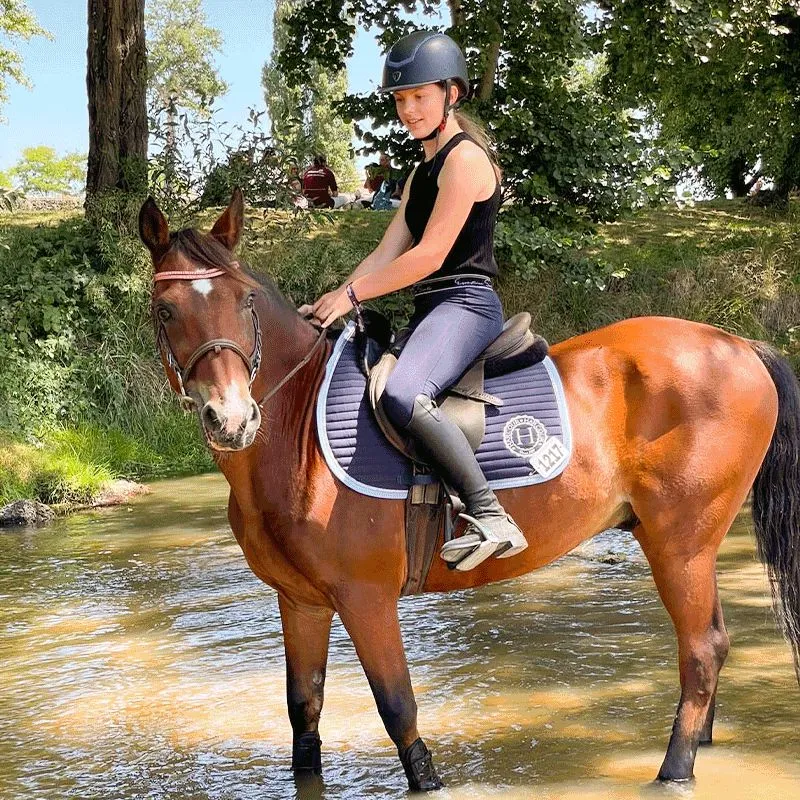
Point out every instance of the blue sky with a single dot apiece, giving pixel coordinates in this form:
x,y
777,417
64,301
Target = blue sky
x,y
54,112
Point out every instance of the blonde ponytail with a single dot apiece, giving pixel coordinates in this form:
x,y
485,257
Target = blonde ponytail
x,y
483,139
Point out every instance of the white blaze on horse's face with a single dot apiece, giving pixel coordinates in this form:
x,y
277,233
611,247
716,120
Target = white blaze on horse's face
x,y
203,287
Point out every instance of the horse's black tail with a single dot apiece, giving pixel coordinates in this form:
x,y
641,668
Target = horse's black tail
x,y
776,500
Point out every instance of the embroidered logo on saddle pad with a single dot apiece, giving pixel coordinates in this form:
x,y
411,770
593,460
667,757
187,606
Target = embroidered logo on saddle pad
x,y
528,439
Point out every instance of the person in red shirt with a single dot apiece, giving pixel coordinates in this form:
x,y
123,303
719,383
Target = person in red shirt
x,y
319,184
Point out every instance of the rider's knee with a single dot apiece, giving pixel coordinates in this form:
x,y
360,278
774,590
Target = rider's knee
x,y
398,402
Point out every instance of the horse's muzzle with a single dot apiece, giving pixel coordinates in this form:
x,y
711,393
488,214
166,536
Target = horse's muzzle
x,y
230,428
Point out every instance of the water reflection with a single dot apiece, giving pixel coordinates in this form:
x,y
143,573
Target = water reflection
x,y
139,658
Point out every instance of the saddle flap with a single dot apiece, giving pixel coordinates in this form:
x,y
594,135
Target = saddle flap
x,y
376,383
464,409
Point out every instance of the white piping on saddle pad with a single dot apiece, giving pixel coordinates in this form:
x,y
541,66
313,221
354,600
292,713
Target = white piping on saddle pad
x,y
372,491
346,336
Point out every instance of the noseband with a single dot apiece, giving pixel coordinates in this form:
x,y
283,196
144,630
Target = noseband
x,y
252,362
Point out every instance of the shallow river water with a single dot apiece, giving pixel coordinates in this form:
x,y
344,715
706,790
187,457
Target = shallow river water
x,y
139,658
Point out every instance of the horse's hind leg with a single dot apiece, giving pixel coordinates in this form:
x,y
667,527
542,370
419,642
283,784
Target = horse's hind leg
x,y
707,733
306,631
686,581
375,630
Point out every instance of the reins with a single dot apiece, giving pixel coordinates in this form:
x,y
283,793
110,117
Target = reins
x,y
252,362
296,369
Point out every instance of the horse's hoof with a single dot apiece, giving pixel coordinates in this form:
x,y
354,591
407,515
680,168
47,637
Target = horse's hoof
x,y
418,765
677,781
307,754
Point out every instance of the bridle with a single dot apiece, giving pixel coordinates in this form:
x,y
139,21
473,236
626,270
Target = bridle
x,y
252,361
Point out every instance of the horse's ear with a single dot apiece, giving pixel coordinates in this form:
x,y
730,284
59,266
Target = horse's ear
x,y
228,228
153,229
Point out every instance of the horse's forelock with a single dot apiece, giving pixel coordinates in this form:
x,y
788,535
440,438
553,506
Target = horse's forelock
x,y
201,249
204,250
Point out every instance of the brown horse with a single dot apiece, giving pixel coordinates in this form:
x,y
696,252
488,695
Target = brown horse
x,y
673,423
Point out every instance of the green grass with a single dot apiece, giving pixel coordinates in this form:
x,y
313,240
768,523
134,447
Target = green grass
x,y
724,263
69,465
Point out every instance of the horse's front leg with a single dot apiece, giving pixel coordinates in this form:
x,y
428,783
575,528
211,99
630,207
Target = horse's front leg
x,y
306,631
375,630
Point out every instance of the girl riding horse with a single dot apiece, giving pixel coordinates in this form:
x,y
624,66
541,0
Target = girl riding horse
x,y
673,423
441,244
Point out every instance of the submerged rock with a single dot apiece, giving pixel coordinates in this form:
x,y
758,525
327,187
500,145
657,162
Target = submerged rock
x,y
26,512
117,492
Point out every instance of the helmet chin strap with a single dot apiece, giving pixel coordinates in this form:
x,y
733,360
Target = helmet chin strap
x,y
434,134
441,126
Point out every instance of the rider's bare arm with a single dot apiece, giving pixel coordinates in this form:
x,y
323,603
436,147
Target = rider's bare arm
x,y
467,177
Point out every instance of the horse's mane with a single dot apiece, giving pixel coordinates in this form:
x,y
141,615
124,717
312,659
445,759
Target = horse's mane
x,y
200,248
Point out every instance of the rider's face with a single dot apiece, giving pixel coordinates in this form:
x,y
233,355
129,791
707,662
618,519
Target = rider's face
x,y
420,108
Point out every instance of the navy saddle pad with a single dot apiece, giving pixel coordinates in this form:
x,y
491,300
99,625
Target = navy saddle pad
x,y
528,440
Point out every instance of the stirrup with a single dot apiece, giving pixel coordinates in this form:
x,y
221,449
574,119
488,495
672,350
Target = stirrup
x,y
480,542
457,549
467,551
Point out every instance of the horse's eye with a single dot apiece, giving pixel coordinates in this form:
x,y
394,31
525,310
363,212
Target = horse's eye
x,y
251,299
163,314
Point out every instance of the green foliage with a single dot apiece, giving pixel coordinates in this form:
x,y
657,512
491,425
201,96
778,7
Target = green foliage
x,y
76,341
719,76
48,471
212,160
304,117
72,464
180,54
182,81
41,170
571,154
526,248
17,23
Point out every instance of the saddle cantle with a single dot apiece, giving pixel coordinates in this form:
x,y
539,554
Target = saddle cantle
x,y
515,348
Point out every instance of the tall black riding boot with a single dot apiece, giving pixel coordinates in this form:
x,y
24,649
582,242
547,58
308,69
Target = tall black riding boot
x,y
490,530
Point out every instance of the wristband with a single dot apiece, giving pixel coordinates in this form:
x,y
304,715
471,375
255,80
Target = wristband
x,y
353,299
357,307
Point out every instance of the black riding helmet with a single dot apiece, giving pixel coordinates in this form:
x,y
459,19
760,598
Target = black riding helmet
x,y
424,57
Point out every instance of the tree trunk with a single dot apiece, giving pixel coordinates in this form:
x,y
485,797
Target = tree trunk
x,y
116,81
456,13
736,181
486,85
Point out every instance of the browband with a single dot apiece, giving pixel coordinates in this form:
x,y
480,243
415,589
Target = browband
x,y
180,275
197,275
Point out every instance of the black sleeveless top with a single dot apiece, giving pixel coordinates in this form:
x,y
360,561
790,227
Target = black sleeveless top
x,y
473,250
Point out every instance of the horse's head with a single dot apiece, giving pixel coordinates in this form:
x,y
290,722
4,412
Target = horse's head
x,y
205,312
